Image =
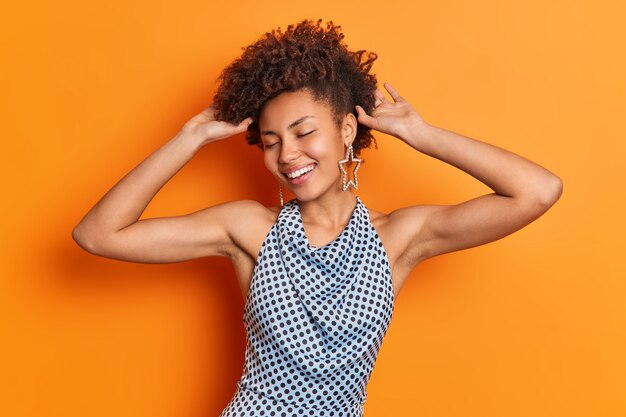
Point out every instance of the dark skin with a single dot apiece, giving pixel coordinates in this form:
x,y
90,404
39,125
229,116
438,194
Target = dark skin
x,y
523,191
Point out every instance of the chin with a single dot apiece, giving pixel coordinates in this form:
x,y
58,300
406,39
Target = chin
x,y
313,194
303,196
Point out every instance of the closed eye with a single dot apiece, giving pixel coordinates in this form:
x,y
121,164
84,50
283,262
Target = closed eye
x,y
300,136
308,133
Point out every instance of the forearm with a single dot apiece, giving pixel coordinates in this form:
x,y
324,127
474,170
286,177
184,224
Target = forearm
x,y
123,204
505,172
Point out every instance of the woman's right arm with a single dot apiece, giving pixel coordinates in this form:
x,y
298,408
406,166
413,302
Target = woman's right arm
x,y
112,227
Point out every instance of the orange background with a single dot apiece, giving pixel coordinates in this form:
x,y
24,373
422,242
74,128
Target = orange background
x,y
531,325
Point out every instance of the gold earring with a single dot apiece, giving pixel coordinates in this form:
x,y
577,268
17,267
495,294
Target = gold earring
x,y
349,159
280,187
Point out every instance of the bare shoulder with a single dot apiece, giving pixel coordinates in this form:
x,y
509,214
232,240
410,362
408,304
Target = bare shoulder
x,y
250,209
399,233
399,227
250,223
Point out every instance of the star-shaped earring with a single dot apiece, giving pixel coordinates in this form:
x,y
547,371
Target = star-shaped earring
x,y
349,159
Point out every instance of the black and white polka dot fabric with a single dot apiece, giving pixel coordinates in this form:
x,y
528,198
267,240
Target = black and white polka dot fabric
x,y
315,319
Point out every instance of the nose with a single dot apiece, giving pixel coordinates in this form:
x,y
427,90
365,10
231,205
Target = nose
x,y
288,151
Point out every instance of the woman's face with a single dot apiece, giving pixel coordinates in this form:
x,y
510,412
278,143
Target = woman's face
x,y
298,132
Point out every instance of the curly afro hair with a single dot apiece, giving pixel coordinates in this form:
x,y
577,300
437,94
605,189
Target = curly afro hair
x,y
305,56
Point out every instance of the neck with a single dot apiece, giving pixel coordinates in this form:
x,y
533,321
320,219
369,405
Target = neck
x,y
329,211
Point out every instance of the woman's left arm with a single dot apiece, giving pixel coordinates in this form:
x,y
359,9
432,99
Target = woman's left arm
x,y
523,189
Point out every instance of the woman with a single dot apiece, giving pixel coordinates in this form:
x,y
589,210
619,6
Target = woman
x,y
319,273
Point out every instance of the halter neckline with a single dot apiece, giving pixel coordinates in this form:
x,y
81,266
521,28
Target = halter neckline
x,y
349,226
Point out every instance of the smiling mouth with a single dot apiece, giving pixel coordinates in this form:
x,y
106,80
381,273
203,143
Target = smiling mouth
x,y
302,172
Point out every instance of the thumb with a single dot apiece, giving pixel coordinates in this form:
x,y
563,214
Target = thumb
x,y
243,125
363,117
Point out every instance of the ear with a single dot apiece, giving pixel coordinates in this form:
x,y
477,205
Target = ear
x,y
348,129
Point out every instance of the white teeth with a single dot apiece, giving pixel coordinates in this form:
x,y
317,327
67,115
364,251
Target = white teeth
x,y
300,172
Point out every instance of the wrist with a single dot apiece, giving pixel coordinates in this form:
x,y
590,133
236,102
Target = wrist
x,y
417,133
190,140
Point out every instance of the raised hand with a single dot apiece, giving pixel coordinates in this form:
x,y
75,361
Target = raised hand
x,y
204,126
397,118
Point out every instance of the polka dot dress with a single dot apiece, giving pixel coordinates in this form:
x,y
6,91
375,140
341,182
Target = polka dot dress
x,y
315,320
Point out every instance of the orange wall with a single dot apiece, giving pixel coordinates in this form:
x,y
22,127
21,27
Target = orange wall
x,y
530,325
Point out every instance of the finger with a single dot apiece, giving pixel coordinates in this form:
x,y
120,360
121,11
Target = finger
x,y
364,118
392,91
245,123
230,129
209,111
240,127
380,96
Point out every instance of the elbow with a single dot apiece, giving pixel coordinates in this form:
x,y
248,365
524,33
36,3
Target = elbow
x,y
544,193
83,241
551,191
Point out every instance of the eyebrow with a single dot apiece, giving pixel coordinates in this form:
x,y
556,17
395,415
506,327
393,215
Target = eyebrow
x,y
291,126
